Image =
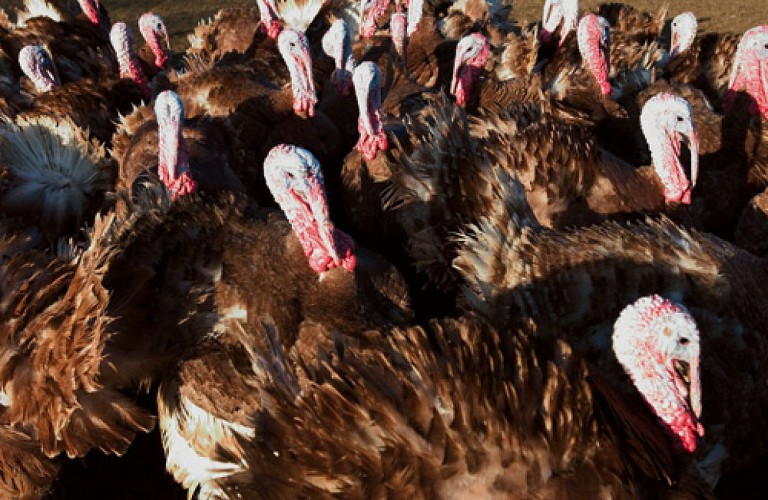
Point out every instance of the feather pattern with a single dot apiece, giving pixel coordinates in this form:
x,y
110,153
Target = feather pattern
x,y
577,280
56,171
299,14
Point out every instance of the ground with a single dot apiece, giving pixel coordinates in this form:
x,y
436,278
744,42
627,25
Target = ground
x,y
181,17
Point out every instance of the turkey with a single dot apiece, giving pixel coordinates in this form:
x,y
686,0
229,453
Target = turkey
x,y
78,42
750,70
441,181
262,111
558,13
733,143
181,153
478,92
91,105
65,365
577,281
704,61
456,408
366,173
466,16
25,472
231,30
318,280
155,56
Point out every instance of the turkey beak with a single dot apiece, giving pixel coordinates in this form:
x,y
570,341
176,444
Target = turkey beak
x,y
605,49
367,19
304,67
167,40
50,73
301,65
169,129
695,387
689,375
764,88
570,20
545,35
604,44
398,27
674,46
691,138
458,64
415,12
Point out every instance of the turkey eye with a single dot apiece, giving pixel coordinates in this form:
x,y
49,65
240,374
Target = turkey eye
x,y
684,341
679,118
290,175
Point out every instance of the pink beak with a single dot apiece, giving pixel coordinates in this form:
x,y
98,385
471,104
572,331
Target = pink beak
x,y
458,62
674,47
695,388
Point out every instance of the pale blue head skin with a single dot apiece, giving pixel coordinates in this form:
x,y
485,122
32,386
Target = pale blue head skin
x,y
152,28
294,49
173,161
294,177
655,339
683,32
36,63
337,43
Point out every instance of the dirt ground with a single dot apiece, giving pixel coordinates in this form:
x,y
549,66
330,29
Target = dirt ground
x,y
733,15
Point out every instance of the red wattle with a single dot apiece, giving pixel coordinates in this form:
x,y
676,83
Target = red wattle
x,y
465,80
686,431
345,246
272,28
182,185
319,259
370,144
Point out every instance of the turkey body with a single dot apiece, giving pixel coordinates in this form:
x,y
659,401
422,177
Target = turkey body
x,y
577,280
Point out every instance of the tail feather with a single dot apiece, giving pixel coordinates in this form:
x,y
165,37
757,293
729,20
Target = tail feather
x,y
54,171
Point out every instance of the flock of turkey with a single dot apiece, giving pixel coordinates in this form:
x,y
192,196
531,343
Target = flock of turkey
x,y
385,249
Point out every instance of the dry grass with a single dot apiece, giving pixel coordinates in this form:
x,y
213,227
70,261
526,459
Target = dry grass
x,y
714,15
182,16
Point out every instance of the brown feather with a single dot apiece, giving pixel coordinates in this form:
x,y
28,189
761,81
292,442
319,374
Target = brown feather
x,y
578,280
24,471
455,409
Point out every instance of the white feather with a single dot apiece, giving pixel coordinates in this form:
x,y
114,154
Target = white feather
x,y
53,167
298,14
37,148
37,8
180,419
